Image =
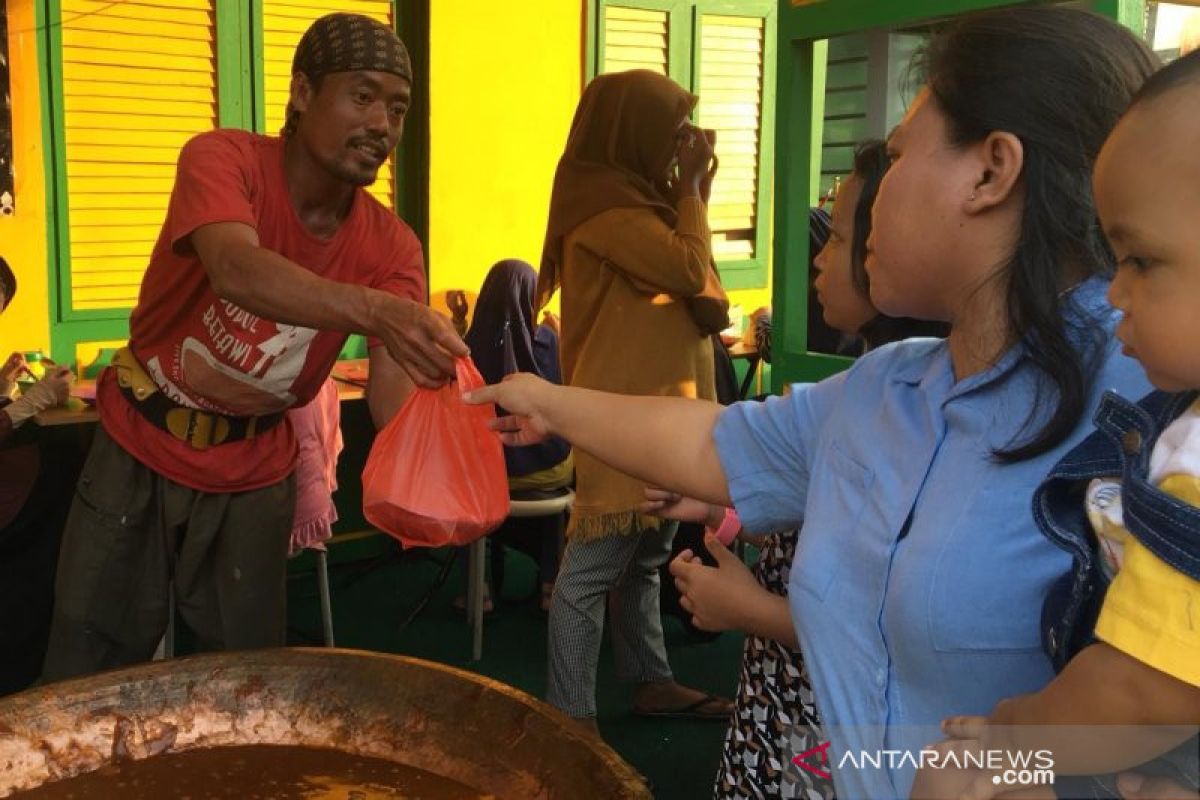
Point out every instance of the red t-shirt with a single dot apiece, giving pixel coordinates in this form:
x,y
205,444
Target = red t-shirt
x,y
205,352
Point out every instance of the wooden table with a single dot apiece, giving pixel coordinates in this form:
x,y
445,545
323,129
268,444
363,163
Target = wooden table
x,y
77,412
739,349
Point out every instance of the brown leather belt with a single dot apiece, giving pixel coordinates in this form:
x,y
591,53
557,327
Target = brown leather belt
x,y
200,429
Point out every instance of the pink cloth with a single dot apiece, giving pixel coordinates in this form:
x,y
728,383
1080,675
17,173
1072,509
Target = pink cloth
x,y
319,440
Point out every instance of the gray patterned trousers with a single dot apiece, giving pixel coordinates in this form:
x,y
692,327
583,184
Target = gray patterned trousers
x,y
624,568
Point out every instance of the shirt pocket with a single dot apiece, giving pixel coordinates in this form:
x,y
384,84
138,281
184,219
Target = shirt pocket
x,y
839,494
992,577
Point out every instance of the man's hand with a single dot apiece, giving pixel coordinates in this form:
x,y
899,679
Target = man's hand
x,y
714,596
419,339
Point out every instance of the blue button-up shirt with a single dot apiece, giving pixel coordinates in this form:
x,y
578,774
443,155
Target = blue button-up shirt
x,y
919,575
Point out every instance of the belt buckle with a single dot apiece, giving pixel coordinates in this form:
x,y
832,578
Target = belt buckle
x,y
199,429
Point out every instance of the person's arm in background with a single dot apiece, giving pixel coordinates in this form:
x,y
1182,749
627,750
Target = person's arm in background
x,y
263,282
52,390
388,387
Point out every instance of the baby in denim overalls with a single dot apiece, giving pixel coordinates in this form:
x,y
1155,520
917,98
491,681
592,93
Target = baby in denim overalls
x,y
1123,627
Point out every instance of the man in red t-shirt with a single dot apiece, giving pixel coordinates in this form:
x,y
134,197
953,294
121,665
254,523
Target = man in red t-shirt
x,y
271,254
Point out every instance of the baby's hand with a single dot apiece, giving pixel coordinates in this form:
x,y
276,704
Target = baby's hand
x,y
965,727
1140,787
943,779
941,783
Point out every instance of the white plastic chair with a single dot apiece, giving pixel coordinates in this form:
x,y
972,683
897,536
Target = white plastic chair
x,y
547,507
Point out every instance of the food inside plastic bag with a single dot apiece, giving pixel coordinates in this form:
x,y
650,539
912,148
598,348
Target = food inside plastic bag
x,y
436,474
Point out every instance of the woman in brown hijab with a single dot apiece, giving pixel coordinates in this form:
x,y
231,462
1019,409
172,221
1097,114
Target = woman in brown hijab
x,y
629,245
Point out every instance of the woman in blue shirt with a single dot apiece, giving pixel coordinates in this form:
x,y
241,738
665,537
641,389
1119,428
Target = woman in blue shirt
x,y
919,576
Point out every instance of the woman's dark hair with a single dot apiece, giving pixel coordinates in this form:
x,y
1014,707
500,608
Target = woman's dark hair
x,y
870,164
1058,79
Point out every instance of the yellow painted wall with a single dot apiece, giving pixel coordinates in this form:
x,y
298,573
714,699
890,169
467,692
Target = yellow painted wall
x,y
504,81
26,323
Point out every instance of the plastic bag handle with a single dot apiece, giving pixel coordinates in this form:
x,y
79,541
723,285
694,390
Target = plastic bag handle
x,y
467,375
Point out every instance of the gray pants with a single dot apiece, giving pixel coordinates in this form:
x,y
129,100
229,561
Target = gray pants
x,y
625,568
131,532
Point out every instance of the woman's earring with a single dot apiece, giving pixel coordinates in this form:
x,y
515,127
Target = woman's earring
x,y
973,196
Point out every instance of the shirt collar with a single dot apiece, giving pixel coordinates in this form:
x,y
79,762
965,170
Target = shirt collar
x,y
1085,306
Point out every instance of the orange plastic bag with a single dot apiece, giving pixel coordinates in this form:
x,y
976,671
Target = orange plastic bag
x,y
436,474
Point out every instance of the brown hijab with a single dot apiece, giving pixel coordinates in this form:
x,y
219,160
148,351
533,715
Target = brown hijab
x,y
622,140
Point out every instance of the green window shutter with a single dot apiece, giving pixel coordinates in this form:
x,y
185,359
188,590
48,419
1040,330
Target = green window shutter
x,y
138,80
730,89
283,23
845,106
635,38
733,58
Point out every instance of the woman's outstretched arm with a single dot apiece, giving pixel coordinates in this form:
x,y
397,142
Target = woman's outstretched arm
x,y
665,441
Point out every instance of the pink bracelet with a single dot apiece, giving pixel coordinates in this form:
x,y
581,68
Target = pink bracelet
x,y
728,529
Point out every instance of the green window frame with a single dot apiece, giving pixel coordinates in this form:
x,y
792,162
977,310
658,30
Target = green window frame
x,y
685,59
803,35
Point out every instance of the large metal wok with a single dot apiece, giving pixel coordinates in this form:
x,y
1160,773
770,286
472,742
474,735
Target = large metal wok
x,y
477,731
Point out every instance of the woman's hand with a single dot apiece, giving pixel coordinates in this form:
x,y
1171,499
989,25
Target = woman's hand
x,y
670,505
695,153
716,597
551,321
524,396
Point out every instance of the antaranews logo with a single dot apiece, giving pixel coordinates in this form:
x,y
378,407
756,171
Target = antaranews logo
x,y
1008,767
807,760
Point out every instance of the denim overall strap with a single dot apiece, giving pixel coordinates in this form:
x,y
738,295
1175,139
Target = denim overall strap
x,y
1058,502
1164,525
1073,602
